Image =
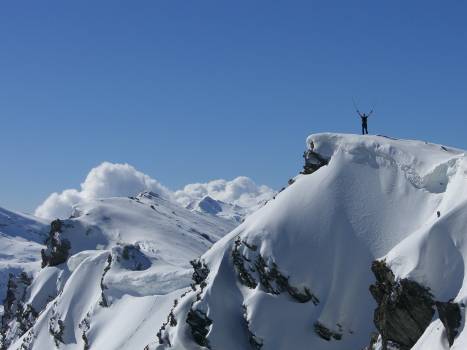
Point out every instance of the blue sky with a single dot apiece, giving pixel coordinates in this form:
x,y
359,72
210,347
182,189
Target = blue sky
x,y
189,91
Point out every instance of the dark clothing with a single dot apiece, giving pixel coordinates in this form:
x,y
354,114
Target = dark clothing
x,y
364,129
364,124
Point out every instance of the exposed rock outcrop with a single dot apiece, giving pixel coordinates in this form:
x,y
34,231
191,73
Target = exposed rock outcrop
x,y
18,317
57,250
268,276
255,341
130,257
85,325
199,324
313,161
200,271
56,326
104,302
326,333
451,317
405,308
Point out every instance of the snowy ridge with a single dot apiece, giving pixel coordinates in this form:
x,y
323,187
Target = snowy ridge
x,y
128,258
378,198
21,239
372,214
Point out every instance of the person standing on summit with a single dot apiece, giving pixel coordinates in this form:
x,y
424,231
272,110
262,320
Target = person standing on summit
x,y
364,118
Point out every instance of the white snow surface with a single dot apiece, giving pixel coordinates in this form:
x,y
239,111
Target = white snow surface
x,y
132,252
377,198
21,239
237,198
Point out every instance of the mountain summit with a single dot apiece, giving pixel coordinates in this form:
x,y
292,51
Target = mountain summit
x,y
364,249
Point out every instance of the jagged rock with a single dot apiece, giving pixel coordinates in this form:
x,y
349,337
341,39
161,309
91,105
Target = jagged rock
x,y
131,258
313,161
200,271
270,278
199,324
56,326
405,308
18,317
450,315
325,333
210,205
85,325
57,251
104,302
243,275
162,336
255,342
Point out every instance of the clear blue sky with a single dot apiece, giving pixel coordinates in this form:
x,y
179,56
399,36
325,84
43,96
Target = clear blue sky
x,y
189,91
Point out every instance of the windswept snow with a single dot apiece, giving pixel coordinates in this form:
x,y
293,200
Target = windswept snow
x,y
378,198
21,239
129,259
294,275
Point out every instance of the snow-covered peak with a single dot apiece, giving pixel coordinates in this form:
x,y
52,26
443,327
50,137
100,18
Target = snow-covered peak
x,y
228,211
209,205
113,254
368,213
421,155
306,256
21,239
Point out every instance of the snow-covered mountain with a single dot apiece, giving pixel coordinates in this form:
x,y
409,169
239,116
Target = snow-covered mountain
x,y
21,240
219,208
366,248
110,274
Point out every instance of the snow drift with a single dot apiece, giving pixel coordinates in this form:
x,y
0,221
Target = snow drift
x,y
296,274
126,259
365,249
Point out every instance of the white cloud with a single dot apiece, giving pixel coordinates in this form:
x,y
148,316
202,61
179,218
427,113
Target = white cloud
x,y
241,191
105,180
119,180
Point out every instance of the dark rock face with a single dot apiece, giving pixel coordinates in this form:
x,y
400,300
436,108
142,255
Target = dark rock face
x,y
325,333
104,302
85,325
243,274
450,315
210,205
268,276
18,317
199,324
131,258
200,271
405,308
57,251
56,327
313,161
255,342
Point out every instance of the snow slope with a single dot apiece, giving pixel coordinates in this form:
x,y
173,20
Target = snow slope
x,y
129,259
301,264
221,209
21,239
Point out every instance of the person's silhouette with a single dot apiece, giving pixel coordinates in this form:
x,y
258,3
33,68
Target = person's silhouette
x,y
364,118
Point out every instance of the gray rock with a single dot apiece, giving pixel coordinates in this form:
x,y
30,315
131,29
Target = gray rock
x,y
450,315
405,308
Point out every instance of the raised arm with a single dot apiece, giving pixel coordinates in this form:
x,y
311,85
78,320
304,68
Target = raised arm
x,y
371,112
360,114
